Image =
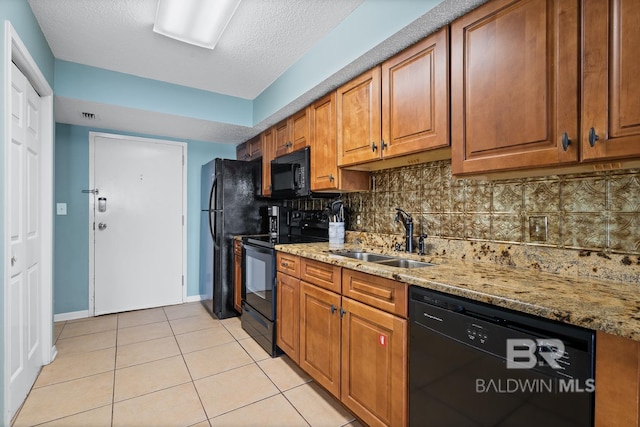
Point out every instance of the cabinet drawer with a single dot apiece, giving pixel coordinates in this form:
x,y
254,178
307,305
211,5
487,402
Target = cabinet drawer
x,y
321,274
289,264
378,292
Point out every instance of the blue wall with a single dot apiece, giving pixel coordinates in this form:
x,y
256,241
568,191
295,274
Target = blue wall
x,y
19,14
71,259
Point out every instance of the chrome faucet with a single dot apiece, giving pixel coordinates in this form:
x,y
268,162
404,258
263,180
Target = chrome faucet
x,y
407,221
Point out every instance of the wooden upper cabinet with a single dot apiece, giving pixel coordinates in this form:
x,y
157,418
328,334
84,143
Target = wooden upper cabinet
x,y
514,86
415,97
325,174
282,142
250,150
611,87
299,130
358,107
292,134
268,150
397,109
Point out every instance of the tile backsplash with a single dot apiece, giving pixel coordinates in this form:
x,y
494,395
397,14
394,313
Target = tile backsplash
x,y
598,211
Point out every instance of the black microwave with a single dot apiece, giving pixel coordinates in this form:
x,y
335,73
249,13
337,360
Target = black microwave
x,y
291,176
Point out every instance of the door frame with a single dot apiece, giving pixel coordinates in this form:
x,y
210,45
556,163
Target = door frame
x,y
92,278
16,51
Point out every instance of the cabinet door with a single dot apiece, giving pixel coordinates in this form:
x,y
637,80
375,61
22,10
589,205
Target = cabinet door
x,y
282,141
237,275
299,130
287,315
254,148
514,86
611,97
325,174
324,161
268,151
415,97
617,381
320,335
374,364
242,152
358,108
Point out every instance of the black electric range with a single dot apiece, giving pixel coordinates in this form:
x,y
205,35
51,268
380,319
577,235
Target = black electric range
x,y
259,291
305,226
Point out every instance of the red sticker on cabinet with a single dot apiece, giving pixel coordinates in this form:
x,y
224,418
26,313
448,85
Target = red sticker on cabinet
x,y
382,340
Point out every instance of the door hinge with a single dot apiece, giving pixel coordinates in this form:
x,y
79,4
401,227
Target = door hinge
x,y
183,220
94,226
183,160
183,280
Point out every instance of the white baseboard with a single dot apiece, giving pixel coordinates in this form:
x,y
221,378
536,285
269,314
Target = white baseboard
x,y
195,298
61,317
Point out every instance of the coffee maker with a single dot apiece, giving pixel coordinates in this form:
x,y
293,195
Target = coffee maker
x,y
278,221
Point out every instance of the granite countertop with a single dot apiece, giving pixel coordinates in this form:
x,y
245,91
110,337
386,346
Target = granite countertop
x,y
612,307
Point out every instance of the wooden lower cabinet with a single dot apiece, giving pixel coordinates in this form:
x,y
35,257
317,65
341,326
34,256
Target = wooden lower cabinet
x,y
617,381
357,352
237,275
320,335
288,318
374,364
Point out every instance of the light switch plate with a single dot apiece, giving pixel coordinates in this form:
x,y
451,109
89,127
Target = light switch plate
x,y
538,230
61,208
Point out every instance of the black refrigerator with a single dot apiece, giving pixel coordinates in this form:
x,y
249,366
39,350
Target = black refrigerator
x,y
230,205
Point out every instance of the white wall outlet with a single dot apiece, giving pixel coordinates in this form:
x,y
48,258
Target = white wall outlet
x,y
61,208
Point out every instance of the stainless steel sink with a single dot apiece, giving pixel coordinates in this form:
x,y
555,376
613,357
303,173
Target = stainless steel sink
x,y
365,256
388,260
405,263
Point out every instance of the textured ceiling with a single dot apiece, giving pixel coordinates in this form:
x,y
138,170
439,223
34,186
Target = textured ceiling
x,y
264,38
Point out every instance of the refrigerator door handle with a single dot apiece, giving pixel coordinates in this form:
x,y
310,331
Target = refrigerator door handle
x,y
212,194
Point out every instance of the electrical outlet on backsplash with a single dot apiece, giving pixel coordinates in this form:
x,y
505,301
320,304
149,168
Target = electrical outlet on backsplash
x,y
592,219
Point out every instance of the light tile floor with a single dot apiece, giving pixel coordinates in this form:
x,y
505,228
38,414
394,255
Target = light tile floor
x,y
172,366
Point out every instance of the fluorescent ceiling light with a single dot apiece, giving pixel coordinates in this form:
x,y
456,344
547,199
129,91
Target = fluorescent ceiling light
x,y
198,22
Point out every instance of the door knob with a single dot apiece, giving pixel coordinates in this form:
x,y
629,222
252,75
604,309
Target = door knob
x,y
102,226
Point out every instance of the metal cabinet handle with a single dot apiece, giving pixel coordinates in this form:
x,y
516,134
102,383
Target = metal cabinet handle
x,y
102,226
374,147
331,178
566,142
13,261
383,145
333,308
593,137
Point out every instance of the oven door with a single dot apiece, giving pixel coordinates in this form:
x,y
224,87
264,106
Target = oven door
x,y
258,279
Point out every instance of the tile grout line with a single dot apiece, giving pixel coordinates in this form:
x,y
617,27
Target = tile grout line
x,y
193,383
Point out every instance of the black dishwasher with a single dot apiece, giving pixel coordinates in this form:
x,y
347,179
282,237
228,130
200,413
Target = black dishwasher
x,y
474,364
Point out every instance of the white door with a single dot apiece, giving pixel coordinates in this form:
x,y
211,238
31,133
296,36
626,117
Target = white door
x,y
138,217
23,293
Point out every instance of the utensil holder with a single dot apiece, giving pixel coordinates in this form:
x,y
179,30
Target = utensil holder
x,y
336,234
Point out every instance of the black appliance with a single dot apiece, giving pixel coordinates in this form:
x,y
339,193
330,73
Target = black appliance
x,y
473,364
291,176
278,220
230,205
259,291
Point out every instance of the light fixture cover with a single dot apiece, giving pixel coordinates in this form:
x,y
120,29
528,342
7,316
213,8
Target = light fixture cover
x,y
197,22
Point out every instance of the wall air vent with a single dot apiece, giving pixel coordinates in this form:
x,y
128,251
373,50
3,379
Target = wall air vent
x,y
89,116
